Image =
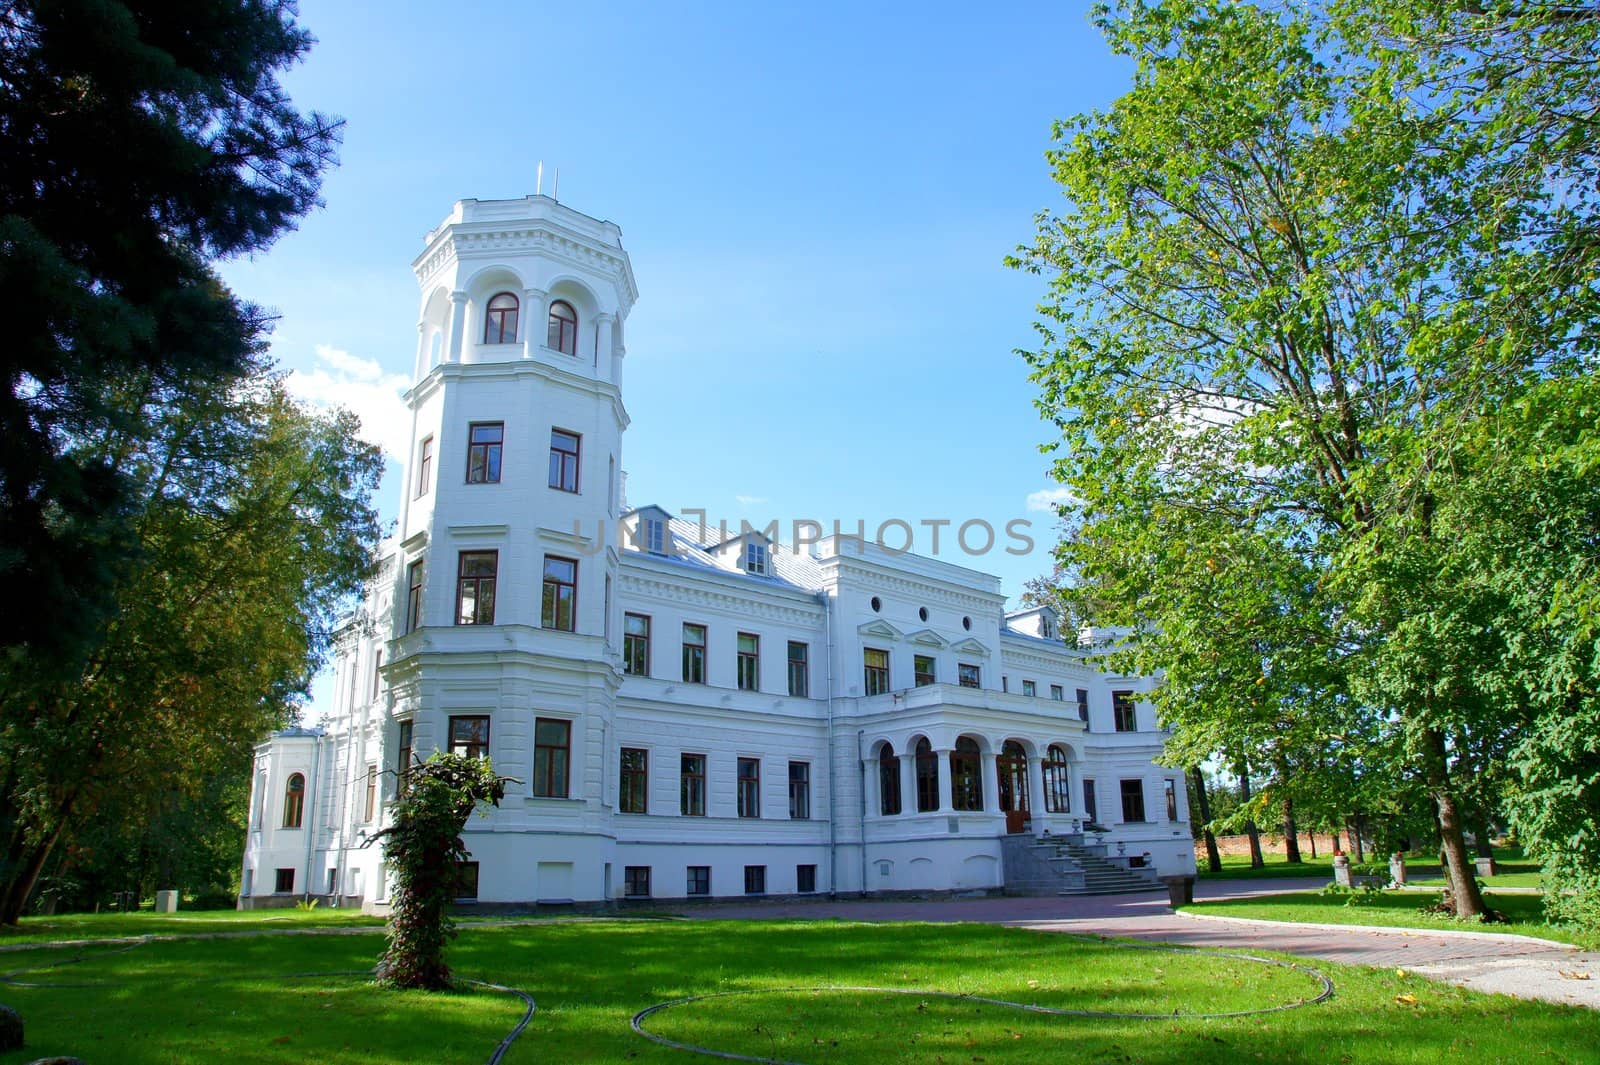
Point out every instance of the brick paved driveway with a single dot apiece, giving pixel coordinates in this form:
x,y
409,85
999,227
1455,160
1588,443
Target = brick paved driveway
x,y
1497,963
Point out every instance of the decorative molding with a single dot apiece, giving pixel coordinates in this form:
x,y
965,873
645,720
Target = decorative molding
x,y
467,532
927,638
879,629
971,646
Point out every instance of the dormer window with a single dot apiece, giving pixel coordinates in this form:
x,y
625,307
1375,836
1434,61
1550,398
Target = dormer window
x,y
562,334
1047,627
755,558
655,536
500,321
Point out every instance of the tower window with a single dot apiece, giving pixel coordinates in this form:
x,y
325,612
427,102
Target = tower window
x,y
564,460
484,440
562,334
294,801
475,587
755,558
500,321
424,465
560,604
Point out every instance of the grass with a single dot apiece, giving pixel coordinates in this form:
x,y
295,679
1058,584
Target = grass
x,y
1237,867
148,923
1512,869
1391,909
234,1000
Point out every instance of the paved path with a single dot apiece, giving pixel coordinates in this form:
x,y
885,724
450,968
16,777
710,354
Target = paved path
x,y
1512,965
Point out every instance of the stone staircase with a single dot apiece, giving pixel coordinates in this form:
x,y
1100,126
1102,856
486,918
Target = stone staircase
x,y
1066,865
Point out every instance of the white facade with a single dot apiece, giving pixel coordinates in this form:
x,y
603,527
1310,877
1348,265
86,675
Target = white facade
x,y
646,767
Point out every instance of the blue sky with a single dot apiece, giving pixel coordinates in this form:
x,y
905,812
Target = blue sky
x,y
816,198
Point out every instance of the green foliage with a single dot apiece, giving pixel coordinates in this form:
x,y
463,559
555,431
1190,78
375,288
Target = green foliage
x,y
422,848
1319,344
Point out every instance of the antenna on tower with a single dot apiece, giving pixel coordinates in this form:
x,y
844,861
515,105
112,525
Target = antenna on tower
x,y
538,182
555,193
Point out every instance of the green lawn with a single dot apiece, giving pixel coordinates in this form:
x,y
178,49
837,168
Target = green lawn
x,y
147,923
1395,909
238,1000
1237,867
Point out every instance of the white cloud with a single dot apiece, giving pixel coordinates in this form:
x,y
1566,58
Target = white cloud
x,y
749,501
341,379
1046,500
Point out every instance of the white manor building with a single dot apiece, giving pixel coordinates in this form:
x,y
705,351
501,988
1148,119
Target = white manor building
x,y
687,712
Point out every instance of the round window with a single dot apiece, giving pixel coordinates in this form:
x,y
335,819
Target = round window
x,y
877,604
966,623
922,612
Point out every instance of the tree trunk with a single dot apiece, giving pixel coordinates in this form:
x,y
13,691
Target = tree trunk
x,y
1358,835
1485,848
1213,856
1291,835
1461,874
1335,834
1250,829
1311,836
21,884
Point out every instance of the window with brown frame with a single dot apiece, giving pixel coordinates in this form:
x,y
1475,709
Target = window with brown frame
x,y
1057,781
552,742
922,670
403,750
1170,789
699,880
414,596
469,735
562,334
634,789
1090,807
927,777
1083,704
749,664
875,670
466,881
294,801
500,319
692,785
888,781
799,670
1029,688
1123,716
560,603
966,775
694,654
636,881
484,441
1058,693
968,675
424,466
636,644
755,879
749,789
799,791
283,883
805,879
475,581
564,452
1133,800
371,806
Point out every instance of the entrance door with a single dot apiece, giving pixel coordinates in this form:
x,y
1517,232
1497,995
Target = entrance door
x,y
1011,768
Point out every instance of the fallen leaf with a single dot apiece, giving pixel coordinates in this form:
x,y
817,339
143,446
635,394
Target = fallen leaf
x,y
1406,1000
1401,973
1575,976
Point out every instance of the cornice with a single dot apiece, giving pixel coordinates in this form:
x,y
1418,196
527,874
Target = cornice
x,y
706,594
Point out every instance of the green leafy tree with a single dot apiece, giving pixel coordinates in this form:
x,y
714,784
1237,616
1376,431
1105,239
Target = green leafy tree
x,y
255,528
143,138
1300,264
423,848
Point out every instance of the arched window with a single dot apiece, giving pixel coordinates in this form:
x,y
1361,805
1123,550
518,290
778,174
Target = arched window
x,y
294,801
927,777
888,781
966,775
500,321
1011,768
1057,783
563,332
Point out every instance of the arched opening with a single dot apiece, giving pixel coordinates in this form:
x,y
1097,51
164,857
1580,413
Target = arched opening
x,y
1057,781
500,319
888,781
562,334
1011,769
966,775
294,801
927,777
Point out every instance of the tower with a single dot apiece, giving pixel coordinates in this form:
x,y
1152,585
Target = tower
x,y
504,624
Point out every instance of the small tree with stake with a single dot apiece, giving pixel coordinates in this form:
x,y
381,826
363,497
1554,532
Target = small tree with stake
x,y
423,847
